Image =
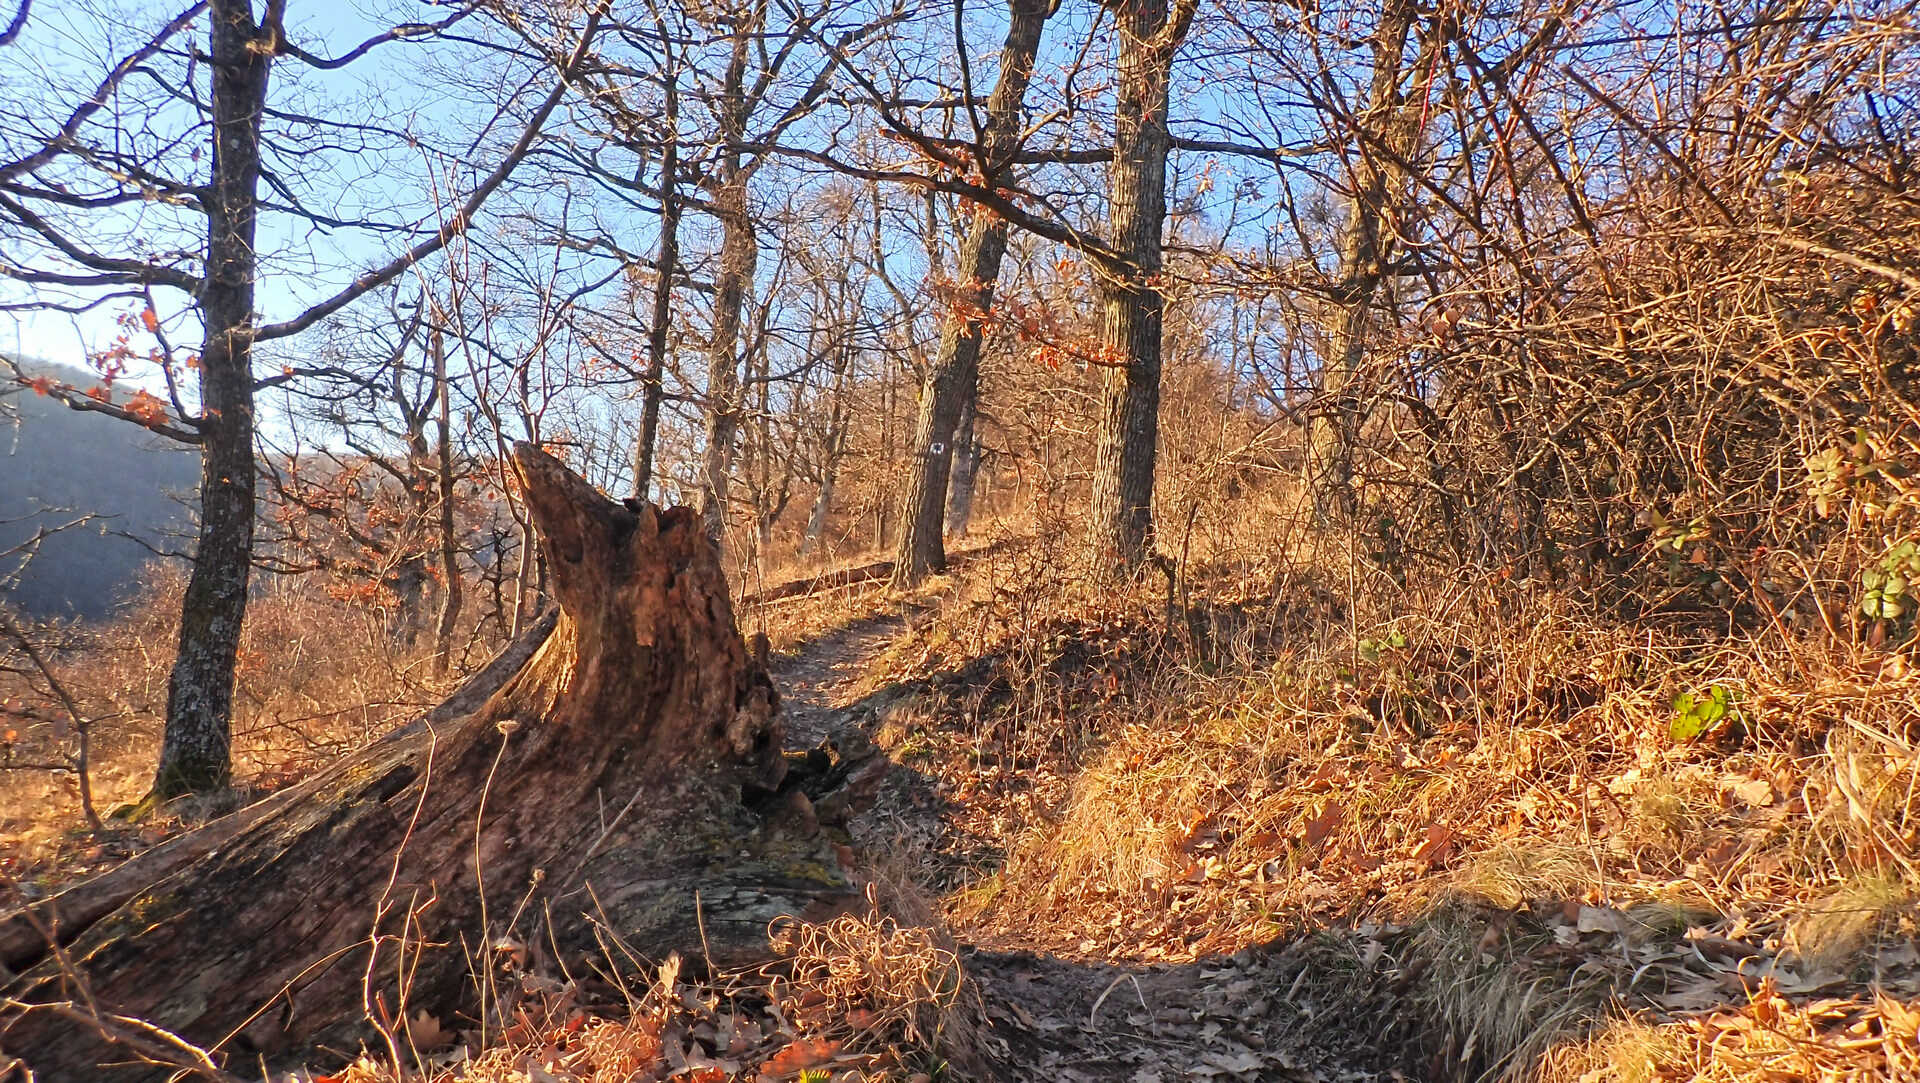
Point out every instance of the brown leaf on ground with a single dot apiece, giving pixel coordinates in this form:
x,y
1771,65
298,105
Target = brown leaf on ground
x,y
1436,847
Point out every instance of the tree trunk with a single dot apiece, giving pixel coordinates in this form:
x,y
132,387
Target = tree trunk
x,y
667,259
599,780
766,505
195,750
451,592
966,466
817,516
406,583
1366,249
833,450
953,379
739,256
1131,300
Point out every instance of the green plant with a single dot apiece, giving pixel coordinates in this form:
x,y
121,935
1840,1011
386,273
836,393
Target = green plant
x,y
1372,649
1889,586
1694,715
1860,472
1672,537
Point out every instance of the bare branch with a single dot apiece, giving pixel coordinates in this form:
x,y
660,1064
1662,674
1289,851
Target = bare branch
x,y
462,219
62,140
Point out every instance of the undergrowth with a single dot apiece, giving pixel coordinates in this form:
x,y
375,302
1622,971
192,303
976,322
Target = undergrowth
x,y
317,678
1494,792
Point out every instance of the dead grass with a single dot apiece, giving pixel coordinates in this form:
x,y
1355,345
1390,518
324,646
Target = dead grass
x,y
1827,1041
880,981
317,677
1489,770
860,997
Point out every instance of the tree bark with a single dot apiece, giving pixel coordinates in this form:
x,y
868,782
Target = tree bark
x,y
832,451
739,257
452,593
817,515
966,466
953,379
1131,300
599,780
196,746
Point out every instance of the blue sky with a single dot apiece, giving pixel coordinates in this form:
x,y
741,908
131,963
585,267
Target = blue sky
x,y
442,93
68,46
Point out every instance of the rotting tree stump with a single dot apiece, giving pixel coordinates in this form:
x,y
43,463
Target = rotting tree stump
x,y
617,770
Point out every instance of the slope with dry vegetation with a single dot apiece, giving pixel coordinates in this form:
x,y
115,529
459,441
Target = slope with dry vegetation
x,y
1521,683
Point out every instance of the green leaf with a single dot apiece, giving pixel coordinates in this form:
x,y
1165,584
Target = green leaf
x,y
1686,727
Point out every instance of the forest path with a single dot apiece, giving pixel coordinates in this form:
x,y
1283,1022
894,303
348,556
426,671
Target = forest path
x,y
1086,1018
815,682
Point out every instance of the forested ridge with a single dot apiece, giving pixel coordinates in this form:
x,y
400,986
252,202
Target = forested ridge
x,y
946,539
108,495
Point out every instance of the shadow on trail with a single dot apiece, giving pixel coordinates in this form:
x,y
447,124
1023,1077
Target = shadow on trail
x,y
1259,1014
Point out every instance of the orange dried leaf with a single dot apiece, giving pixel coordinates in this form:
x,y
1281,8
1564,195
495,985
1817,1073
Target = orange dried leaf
x,y
800,1055
146,409
1321,827
1437,847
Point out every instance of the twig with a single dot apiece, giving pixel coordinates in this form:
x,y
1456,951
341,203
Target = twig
x,y
1111,986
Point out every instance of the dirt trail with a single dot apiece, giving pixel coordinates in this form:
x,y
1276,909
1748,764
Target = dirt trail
x,y
814,682
1242,1017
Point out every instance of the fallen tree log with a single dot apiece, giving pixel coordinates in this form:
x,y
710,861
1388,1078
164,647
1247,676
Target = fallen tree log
x,y
24,933
854,576
626,775
814,584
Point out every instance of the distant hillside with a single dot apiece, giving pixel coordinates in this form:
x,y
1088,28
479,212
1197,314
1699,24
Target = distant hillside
x,y
58,464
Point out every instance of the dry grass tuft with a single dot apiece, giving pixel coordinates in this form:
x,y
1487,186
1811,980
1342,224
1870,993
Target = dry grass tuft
x,y
877,983
1828,1041
1497,1005
860,997
1843,925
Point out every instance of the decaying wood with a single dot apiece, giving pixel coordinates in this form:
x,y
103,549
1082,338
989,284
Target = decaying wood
x,y
623,771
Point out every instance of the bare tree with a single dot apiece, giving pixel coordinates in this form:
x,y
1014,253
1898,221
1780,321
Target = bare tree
x,y
952,382
66,188
1130,292
666,264
1379,160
